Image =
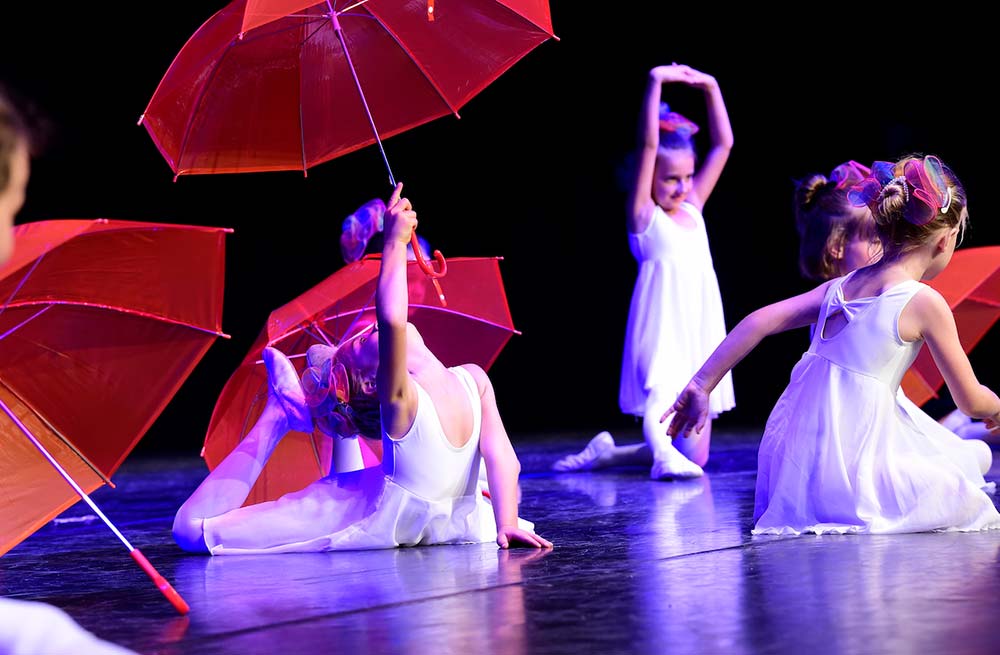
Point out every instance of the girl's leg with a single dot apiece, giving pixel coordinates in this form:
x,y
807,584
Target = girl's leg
x,y
695,447
602,452
668,462
977,430
228,485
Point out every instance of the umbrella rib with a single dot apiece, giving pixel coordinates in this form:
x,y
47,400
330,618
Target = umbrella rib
x,y
123,310
201,96
55,431
521,16
423,71
24,280
25,322
358,312
989,302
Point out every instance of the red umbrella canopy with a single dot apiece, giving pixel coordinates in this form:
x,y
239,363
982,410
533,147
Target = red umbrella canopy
x,y
971,285
473,328
101,323
269,85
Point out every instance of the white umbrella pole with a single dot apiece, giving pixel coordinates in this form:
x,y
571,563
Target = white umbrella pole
x,y
165,588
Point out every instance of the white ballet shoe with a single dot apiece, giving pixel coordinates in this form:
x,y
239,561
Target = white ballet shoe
x,y
670,464
586,458
285,386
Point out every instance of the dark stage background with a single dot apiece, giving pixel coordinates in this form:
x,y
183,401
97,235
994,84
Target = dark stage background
x,y
530,172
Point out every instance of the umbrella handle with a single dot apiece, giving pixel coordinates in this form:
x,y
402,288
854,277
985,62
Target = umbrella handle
x,y
428,269
161,583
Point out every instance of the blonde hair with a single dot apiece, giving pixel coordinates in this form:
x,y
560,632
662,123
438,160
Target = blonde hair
x,y
900,235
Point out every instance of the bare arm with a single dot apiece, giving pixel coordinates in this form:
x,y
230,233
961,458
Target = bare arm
x,y
502,468
927,315
397,397
721,135
691,407
720,132
640,203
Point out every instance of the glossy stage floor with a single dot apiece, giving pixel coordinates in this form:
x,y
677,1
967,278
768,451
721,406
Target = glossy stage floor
x,y
639,567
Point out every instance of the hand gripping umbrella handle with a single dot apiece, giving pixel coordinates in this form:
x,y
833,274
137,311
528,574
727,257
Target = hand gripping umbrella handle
x,y
161,583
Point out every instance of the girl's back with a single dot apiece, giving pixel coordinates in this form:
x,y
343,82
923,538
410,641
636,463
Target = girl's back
x,y
861,332
842,452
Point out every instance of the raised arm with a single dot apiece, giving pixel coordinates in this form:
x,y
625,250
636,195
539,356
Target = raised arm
x,y
397,397
641,201
691,407
721,139
720,133
927,315
502,469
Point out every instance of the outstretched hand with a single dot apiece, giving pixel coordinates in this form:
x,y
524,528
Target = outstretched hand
x,y
690,411
400,219
514,536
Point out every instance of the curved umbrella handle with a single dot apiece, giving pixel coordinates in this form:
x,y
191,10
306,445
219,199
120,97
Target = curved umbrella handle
x,y
422,263
428,269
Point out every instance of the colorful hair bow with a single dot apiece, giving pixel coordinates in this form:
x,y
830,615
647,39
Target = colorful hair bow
x,y
327,391
926,177
848,174
671,121
929,187
358,228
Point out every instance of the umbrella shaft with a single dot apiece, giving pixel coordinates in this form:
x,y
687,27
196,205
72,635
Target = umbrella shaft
x,y
361,92
66,476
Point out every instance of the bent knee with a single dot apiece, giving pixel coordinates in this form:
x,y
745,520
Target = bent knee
x,y
189,533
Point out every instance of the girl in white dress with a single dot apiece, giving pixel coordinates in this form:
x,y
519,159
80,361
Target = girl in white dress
x,y
675,318
435,423
841,452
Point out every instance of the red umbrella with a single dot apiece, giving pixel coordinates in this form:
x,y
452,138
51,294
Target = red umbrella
x,y
268,85
101,323
971,285
474,327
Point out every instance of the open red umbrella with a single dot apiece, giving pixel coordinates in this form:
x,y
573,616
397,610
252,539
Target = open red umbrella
x,y
268,85
101,322
474,327
971,285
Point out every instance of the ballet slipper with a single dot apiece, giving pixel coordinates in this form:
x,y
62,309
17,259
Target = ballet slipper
x,y
670,464
285,386
320,354
588,457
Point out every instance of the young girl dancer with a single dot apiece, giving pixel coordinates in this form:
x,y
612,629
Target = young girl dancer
x,y
675,318
840,452
435,423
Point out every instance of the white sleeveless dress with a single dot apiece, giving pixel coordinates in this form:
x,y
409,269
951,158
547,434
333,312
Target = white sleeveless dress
x,y
675,320
426,492
844,452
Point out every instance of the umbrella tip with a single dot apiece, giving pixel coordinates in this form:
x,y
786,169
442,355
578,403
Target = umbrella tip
x,y
141,118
